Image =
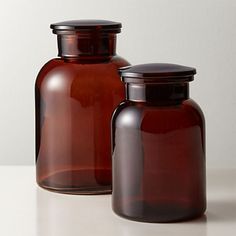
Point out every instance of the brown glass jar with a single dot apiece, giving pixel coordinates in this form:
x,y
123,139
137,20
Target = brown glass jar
x,y
75,96
158,138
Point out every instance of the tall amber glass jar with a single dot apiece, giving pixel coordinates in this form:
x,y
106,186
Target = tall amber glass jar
x,y
158,146
75,96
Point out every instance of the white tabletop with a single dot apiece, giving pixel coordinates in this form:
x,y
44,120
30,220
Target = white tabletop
x,y
27,210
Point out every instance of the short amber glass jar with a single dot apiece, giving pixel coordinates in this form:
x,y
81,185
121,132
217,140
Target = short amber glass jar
x,y
158,138
75,96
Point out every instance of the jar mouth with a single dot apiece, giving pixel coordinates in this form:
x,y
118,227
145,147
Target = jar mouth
x,y
84,33
157,80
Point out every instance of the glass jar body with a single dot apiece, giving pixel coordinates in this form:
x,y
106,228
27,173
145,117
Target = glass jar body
x,y
158,161
74,102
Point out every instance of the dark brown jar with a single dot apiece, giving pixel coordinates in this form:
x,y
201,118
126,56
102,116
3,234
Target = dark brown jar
x,y
75,96
158,137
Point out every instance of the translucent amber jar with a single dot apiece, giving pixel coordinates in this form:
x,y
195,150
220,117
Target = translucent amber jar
x,y
75,96
158,146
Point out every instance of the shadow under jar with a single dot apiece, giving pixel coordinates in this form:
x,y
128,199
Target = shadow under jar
x,y
75,96
158,141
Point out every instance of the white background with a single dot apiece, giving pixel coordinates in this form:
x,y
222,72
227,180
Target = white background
x,y
199,33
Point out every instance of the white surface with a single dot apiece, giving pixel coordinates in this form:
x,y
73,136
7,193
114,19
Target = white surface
x,y
200,33
27,210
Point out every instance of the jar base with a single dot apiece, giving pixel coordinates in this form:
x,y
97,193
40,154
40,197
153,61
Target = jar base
x,y
78,182
79,191
162,213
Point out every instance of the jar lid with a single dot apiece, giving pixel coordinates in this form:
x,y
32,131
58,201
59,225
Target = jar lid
x,y
86,26
157,73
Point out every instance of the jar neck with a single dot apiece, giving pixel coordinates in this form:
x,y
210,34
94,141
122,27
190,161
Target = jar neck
x,y
86,45
162,94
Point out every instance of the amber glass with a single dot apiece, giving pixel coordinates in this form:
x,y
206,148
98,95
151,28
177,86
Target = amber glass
x,y
75,96
158,154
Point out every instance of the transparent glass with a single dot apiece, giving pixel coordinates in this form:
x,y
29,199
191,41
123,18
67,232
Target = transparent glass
x,y
75,96
158,154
